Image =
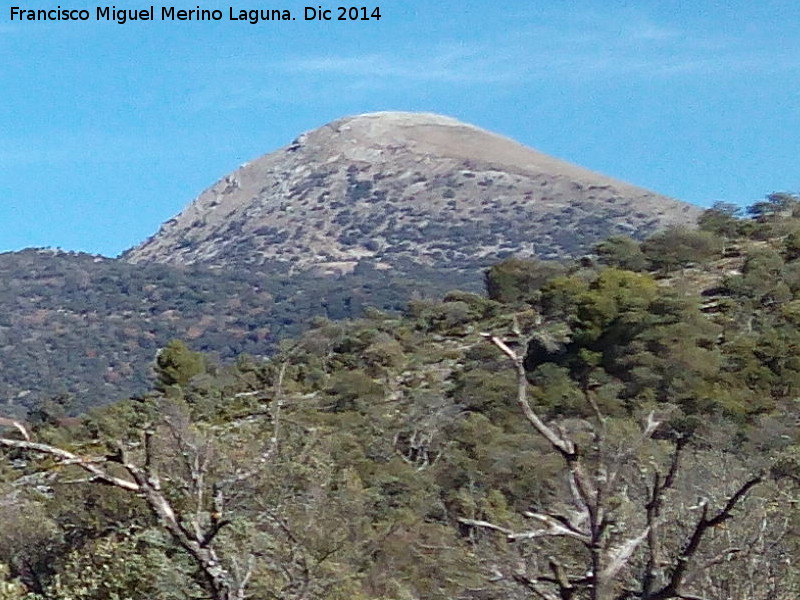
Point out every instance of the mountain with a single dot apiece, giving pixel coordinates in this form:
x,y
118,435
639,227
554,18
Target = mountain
x,y
401,456
85,329
399,190
373,210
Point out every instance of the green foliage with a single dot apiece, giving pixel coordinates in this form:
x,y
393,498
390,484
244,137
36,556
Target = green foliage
x,y
390,428
556,391
615,303
353,391
792,246
721,219
29,539
490,470
123,567
680,247
176,365
516,280
87,328
761,278
560,295
621,251
487,392
775,204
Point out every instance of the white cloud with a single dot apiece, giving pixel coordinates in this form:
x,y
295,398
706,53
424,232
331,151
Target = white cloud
x,y
443,64
540,49
589,45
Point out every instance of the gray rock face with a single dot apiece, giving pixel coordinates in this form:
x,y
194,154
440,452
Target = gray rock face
x,y
397,189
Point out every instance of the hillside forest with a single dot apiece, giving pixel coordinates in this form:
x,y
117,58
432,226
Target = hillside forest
x,y
80,330
616,427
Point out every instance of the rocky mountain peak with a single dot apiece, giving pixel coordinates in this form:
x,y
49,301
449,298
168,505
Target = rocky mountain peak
x,y
396,189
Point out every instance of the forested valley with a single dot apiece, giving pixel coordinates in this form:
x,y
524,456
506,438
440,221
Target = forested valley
x,y
621,426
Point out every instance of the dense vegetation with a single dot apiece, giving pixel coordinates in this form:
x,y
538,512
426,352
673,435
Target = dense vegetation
x,y
82,330
393,456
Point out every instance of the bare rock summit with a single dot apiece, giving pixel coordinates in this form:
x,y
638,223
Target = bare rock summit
x,y
401,189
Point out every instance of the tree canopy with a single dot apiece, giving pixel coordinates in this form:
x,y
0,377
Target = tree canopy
x,y
605,429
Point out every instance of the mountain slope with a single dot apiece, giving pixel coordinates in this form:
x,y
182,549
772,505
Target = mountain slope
x,y
86,328
402,189
390,207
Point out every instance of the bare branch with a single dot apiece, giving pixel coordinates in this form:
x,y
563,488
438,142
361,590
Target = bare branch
x,y
672,588
620,557
555,527
653,511
17,425
565,587
68,458
533,586
486,525
565,447
649,428
146,484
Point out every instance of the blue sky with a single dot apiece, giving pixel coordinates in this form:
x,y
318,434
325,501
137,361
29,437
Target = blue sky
x,y
106,130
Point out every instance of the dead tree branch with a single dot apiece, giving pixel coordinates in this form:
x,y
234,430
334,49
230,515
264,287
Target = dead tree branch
x,y
593,482
188,530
